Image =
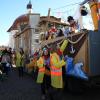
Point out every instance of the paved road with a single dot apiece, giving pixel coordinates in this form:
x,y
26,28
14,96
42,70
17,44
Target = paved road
x,y
15,88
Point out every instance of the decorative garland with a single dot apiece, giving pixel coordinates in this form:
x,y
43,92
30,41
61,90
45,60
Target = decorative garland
x,y
45,43
74,42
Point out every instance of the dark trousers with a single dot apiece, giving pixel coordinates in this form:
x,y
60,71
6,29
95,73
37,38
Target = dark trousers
x,y
46,84
5,68
50,92
55,94
20,71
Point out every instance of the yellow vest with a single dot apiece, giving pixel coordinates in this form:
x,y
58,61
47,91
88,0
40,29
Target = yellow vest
x,y
56,70
40,65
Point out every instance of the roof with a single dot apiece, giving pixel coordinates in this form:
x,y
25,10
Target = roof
x,y
25,18
54,22
52,19
22,18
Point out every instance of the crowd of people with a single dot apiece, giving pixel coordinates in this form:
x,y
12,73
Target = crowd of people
x,y
49,62
10,58
5,60
49,65
46,62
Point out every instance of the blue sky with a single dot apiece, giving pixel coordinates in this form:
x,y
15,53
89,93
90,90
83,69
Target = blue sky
x,y
11,9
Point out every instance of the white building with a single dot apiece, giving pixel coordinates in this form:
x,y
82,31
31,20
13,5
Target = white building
x,y
24,32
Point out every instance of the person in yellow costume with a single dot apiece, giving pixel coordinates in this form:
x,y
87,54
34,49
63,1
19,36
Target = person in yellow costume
x,y
44,71
41,70
33,63
56,70
56,66
94,11
32,66
20,61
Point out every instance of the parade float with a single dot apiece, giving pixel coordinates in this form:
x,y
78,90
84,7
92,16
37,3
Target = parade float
x,y
83,46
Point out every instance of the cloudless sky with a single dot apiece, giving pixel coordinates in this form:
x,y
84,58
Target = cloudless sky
x,y
11,9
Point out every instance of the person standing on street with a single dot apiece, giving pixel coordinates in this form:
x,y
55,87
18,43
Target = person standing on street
x,y
20,61
44,78
56,64
5,61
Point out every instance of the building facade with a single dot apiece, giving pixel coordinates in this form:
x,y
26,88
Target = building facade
x,y
23,32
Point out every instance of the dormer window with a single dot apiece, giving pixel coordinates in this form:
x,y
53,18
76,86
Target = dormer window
x,y
23,26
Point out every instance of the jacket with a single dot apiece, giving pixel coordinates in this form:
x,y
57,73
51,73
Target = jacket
x,y
41,70
19,60
56,70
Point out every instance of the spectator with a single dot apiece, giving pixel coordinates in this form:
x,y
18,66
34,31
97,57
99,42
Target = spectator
x,y
20,61
5,61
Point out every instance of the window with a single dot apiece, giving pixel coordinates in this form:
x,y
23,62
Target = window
x,y
36,30
22,26
37,40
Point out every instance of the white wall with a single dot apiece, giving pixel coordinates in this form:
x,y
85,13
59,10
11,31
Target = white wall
x,y
11,39
33,22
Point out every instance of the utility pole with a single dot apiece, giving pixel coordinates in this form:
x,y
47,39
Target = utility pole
x,y
48,18
80,19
